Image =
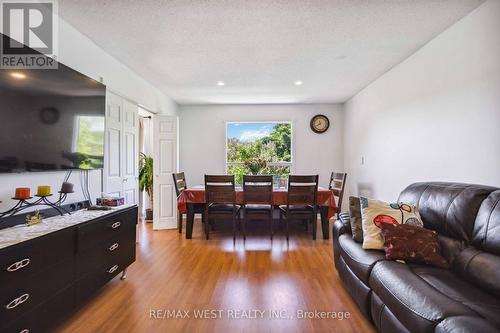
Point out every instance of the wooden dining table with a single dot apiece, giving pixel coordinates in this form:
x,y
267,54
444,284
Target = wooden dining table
x,y
196,196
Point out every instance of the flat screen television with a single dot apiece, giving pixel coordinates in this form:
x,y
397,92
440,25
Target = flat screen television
x,y
51,119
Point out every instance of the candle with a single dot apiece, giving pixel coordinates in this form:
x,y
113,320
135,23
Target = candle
x,y
67,187
43,191
23,193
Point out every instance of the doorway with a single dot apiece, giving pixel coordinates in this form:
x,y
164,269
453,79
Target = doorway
x,y
146,148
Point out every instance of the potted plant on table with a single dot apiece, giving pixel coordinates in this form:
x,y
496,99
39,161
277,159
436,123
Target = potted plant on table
x,y
255,165
146,181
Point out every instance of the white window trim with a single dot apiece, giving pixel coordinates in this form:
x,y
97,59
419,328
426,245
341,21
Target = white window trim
x,y
292,142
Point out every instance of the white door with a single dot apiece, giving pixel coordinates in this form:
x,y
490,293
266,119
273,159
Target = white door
x,y
113,180
130,135
164,164
121,149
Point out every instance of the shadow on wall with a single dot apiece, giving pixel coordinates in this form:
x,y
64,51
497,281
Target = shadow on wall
x,y
365,190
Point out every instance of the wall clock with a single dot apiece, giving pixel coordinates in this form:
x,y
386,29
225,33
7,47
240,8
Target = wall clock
x,y
49,115
320,123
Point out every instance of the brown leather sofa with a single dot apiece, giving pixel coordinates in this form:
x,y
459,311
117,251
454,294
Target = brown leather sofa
x,y
418,298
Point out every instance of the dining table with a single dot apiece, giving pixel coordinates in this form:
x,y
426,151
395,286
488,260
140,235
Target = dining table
x,y
195,195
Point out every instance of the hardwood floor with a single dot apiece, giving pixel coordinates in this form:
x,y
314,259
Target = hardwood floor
x,y
178,275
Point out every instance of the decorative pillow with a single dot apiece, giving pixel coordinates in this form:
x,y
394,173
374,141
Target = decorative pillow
x,y
375,212
412,244
356,221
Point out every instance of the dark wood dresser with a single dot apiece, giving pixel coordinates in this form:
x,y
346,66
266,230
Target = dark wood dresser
x,y
45,278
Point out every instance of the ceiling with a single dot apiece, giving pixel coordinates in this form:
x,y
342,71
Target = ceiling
x,y
260,48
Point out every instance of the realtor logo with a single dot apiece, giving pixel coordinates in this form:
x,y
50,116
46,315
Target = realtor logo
x,y
29,34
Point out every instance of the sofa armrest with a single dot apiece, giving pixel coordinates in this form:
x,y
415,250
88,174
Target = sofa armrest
x,y
340,227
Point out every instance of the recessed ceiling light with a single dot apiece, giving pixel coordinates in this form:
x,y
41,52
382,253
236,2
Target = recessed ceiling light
x,y
298,83
18,75
220,84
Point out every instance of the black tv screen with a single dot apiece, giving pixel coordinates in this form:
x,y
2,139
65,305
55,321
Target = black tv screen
x,y
51,119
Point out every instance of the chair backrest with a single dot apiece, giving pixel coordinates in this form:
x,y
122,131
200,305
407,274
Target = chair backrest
x,y
179,182
258,190
337,186
220,189
302,190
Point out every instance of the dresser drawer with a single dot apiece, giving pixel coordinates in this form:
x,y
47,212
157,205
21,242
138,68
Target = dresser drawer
x,y
20,296
43,317
99,231
99,276
103,252
20,261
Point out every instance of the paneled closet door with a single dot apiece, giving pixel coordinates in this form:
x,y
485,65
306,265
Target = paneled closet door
x,y
113,173
121,148
130,153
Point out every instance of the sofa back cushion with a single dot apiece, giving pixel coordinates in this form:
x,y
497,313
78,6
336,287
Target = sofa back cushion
x,y
448,208
479,267
486,233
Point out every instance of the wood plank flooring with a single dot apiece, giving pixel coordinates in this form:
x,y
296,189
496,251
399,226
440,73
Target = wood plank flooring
x,y
174,277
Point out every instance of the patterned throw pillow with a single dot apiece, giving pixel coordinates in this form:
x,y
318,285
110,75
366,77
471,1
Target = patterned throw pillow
x,y
412,244
356,221
375,212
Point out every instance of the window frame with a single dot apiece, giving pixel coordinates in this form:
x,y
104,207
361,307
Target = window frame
x,y
283,163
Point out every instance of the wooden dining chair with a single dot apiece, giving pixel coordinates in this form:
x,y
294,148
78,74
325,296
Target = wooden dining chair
x,y
337,186
301,204
180,185
257,200
220,198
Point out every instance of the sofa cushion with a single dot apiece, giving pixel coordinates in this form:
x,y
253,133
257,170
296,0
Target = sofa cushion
x,y
454,287
359,261
465,324
448,208
417,304
486,234
356,221
479,267
375,212
412,244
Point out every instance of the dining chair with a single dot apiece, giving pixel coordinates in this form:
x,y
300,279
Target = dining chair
x,y
337,186
301,203
180,184
220,199
257,200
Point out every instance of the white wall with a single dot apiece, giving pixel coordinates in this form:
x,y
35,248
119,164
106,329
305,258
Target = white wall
x,y
202,137
436,116
80,53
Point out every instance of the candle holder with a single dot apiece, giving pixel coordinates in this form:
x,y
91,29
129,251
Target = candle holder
x,y
23,203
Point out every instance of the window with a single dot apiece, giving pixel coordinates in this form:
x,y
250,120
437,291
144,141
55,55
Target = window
x,y
270,142
88,138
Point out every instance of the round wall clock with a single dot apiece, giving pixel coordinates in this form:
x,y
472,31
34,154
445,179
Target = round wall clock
x,y
320,123
49,115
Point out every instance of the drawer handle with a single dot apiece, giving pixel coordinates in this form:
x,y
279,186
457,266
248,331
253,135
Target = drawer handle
x,y
25,331
112,269
113,247
17,301
18,265
116,225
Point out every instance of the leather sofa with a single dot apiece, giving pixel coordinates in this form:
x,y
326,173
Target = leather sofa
x,y
401,297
